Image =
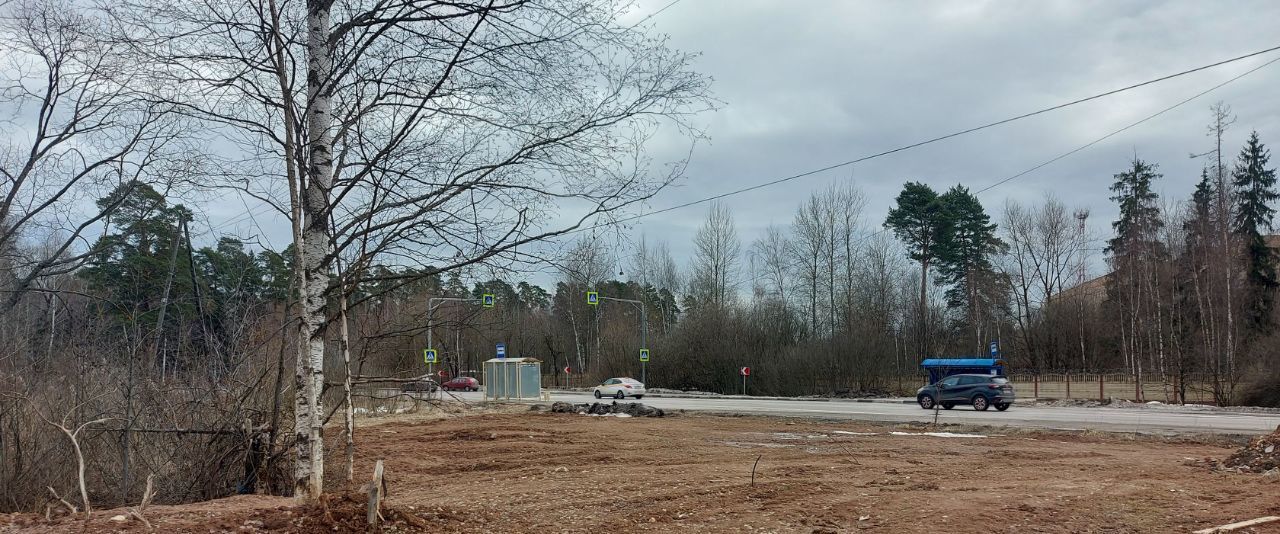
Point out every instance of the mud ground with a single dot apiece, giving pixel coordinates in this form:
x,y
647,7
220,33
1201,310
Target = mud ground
x,y
541,472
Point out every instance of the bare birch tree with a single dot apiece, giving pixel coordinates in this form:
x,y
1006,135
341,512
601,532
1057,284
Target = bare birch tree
x,y
80,128
773,260
714,277
435,135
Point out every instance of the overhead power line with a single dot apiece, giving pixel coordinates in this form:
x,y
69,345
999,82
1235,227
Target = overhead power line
x,y
951,135
1030,170
1121,130
1099,140
966,131
655,13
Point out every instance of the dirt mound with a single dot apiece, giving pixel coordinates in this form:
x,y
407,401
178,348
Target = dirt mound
x,y
633,409
1261,455
345,512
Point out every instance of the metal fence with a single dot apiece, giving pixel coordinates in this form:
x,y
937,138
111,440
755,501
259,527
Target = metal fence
x,y
1194,389
1103,386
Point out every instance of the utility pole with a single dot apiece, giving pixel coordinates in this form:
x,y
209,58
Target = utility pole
x,y
205,339
160,353
1081,216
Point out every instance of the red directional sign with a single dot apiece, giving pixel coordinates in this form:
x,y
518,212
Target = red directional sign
x,y
442,373
566,369
745,371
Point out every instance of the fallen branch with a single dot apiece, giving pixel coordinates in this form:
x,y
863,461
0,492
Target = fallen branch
x,y
841,445
1239,525
69,506
147,495
177,431
455,397
74,436
358,380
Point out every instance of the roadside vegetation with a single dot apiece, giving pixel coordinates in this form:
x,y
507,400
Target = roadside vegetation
x,y
166,354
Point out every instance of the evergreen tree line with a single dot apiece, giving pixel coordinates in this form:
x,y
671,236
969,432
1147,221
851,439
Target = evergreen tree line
x,y
824,304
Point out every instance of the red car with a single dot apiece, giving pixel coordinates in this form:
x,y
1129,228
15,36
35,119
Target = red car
x,y
462,383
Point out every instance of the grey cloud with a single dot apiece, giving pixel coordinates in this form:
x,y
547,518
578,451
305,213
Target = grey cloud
x,y
808,86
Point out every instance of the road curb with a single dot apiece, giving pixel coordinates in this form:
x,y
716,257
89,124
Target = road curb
x,y
891,400
888,400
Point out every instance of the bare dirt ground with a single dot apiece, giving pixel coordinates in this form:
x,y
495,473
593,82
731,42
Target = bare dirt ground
x,y
541,472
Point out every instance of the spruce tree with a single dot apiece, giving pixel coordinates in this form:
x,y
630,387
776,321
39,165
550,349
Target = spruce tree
x,y
1139,210
1135,253
1255,190
1201,211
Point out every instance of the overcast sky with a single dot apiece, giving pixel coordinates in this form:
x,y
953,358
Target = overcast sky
x,y
806,85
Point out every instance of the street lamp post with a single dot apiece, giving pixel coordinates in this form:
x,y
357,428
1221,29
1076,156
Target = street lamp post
x,y
644,329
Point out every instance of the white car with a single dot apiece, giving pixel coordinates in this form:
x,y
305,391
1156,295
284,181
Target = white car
x,y
619,388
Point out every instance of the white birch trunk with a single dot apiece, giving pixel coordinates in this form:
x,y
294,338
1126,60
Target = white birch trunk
x,y
349,413
309,412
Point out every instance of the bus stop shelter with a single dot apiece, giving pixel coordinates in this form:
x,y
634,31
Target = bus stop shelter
x,y
513,379
940,368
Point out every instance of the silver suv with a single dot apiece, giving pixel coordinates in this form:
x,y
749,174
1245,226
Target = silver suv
x,y
982,391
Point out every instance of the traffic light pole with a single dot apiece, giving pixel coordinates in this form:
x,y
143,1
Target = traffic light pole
x,y
431,313
644,330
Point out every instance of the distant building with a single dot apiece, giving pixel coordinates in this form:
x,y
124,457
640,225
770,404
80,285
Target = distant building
x,y
1094,291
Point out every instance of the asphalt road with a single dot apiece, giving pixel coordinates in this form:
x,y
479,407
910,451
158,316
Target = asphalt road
x,y
1161,420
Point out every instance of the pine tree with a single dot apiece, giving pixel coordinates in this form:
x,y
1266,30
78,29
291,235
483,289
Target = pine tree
x,y
131,262
964,256
1255,190
918,220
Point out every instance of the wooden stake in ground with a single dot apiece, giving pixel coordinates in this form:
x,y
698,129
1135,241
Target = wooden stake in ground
x,y
375,497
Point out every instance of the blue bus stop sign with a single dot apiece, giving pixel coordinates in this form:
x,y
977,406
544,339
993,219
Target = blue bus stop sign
x,y
502,350
995,348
